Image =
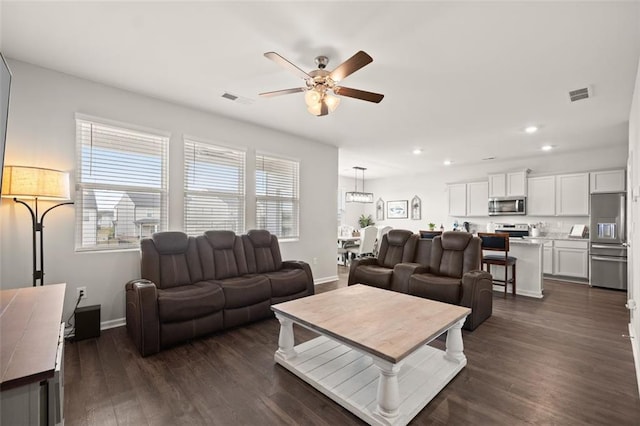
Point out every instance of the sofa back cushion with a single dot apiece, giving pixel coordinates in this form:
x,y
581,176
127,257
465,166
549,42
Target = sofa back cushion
x,y
262,251
423,251
398,245
170,259
221,255
455,253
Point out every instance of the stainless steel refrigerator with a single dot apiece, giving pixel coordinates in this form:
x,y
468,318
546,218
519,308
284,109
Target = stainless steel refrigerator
x,y
608,241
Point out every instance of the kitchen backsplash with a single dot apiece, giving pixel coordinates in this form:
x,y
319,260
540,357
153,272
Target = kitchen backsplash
x,y
547,225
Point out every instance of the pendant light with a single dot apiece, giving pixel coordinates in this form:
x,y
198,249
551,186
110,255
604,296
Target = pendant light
x,y
356,196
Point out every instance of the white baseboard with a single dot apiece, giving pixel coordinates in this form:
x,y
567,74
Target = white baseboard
x,y
635,346
325,280
519,292
119,322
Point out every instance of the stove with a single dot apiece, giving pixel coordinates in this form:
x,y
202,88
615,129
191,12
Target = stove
x,y
517,230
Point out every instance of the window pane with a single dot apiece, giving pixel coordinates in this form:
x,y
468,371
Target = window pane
x,y
214,188
121,184
277,208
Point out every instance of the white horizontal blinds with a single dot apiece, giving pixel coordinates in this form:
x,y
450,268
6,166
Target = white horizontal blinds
x,y
277,197
121,186
214,194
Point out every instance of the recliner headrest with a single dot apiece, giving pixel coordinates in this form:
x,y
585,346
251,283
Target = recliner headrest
x,y
170,242
398,237
260,237
455,240
221,239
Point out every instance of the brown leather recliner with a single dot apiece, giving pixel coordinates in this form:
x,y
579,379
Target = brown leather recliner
x,y
397,246
195,286
449,271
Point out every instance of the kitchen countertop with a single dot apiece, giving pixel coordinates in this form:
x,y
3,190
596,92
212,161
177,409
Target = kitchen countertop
x,y
556,237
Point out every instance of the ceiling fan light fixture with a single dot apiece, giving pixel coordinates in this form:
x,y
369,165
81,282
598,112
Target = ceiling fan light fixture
x,y
312,97
332,102
315,109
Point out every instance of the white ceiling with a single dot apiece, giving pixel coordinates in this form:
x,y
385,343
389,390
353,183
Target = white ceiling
x,y
461,80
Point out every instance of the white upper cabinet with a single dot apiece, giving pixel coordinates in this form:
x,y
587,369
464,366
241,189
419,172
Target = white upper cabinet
x,y
477,198
498,185
512,184
517,184
542,196
608,181
572,194
458,199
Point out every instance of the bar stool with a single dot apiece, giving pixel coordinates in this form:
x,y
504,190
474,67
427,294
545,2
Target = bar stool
x,y
499,242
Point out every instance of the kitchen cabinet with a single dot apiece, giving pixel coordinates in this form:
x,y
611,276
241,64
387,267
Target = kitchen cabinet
x,y
542,196
457,199
547,257
607,181
512,184
571,258
477,198
572,194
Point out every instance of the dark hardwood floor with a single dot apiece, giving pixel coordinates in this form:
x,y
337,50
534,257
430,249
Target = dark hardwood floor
x,y
563,360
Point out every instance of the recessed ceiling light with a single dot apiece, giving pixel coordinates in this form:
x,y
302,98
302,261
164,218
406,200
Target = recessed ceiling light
x,y
530,129
417,151
547,148
447,162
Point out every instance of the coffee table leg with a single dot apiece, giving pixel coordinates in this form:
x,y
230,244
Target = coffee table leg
x,y
285,340
454,343
388,392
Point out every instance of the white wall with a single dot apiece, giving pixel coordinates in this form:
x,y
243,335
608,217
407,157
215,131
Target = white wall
x,y
349,213
431,187
633,189
41,132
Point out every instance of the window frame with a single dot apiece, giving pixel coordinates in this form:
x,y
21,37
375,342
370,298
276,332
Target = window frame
x,y
242,197
296,190
163,190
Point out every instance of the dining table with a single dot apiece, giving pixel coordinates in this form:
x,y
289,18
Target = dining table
x,y
343,243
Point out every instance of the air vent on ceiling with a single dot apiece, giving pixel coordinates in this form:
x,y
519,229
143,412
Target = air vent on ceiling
x,y
236,98
579,94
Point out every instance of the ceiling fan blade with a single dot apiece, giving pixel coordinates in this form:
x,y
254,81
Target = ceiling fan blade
x,y
358,94
350,66
282,92
286,64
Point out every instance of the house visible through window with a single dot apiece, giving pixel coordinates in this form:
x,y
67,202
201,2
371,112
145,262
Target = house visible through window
x,y
121,185
214,194
277,199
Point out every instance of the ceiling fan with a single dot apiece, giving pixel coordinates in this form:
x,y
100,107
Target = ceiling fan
x,y
318,83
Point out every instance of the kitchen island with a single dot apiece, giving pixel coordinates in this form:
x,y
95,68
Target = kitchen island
x,y
529,267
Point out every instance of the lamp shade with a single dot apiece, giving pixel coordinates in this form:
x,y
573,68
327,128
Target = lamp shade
x,y
35,182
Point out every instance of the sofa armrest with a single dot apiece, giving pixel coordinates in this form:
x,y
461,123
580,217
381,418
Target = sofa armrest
x,y
143,323
401,274
299,264
477,294
359,262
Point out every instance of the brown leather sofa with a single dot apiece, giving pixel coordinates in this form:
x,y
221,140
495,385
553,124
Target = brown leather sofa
x,y
446,268
397,246
193,286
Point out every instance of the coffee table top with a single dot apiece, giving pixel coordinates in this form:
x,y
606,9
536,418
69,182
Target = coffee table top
x,y
384,323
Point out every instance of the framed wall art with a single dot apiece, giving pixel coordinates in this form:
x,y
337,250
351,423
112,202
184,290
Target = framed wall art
x,y
416,208
380,209
397,209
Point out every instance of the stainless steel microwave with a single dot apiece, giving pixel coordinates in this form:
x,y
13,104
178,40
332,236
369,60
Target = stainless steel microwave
x,y
507,206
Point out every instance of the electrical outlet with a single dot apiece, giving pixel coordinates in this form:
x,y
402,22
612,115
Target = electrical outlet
x,y
315,260
81,293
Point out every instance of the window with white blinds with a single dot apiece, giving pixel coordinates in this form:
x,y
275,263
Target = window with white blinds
x,y
277,197
121,185
214,195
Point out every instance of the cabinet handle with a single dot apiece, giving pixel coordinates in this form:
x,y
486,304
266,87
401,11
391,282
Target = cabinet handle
x,y
610,259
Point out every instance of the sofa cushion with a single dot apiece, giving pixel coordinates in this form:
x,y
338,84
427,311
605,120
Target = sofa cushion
x,y
170,242
262,251
189,301
398,245
287,281
245,291
222,255
373,275
435,287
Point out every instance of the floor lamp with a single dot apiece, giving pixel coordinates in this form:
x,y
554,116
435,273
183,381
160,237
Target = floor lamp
x,y
34,183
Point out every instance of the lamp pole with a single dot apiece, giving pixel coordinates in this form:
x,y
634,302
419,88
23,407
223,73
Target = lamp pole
x,y
37,225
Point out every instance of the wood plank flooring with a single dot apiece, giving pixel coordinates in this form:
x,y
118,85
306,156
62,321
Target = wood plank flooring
x,y
563,360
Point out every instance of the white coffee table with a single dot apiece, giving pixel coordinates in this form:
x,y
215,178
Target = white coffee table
x,y
372,356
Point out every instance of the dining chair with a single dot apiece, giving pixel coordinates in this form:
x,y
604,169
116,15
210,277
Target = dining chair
x,y
367,242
